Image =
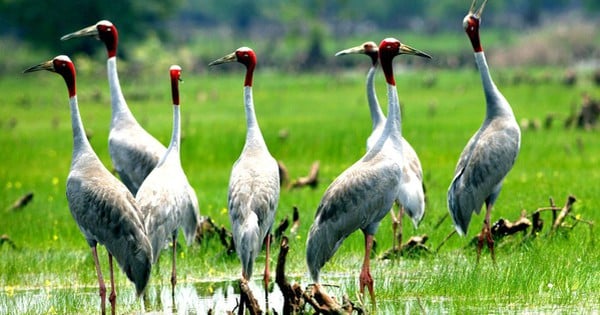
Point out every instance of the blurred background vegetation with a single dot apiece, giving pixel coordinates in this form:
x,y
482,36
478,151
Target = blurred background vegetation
x,y
300,34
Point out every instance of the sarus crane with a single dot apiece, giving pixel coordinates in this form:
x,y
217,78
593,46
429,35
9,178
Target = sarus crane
x,y
490,153
254,187
103,208
412,193
361,196
133,151
166,198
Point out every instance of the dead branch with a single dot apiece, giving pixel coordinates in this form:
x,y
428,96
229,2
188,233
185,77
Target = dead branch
x,y
311,180
537,224
227,240
283,225
563,213
284,175
206,228
292,294
21,202
321,302
295,221
413,245
247,300
504,227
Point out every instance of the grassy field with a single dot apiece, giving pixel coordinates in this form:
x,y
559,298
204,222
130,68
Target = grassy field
x,y
325,118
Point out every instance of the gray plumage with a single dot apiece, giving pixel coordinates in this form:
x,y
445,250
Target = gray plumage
x,y
104,210
492,150
364,193
253,193
412,195
166,198
133,151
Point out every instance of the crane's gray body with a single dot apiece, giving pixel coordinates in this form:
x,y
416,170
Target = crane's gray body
x,y
488,157
133,151
411,193
253,193
166,198
360,197
105,210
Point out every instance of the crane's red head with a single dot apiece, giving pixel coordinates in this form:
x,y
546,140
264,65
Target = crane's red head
x,y
390,48
175,72
471,25
243,55
367,48
104,31
61,65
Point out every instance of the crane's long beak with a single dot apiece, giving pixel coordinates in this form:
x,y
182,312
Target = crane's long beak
x,y
229,58
405,49
90,31
47,65
354,50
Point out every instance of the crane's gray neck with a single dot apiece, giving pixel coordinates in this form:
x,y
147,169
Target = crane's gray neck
x,y
377,116
496,104
393,124
119,108
254,137
176,135
81,145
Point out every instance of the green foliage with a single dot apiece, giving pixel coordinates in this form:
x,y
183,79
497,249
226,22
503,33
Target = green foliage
x,y
43,23
325,118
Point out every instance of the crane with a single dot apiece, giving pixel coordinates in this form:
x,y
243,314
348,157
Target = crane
x,y
361,196
254,187
490,153
166,199
103,208
412,196
133,151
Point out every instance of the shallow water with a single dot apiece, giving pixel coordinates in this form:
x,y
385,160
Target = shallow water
x,y
222,296
190,298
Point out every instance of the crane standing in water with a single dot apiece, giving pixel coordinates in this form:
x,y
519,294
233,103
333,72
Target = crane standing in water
x,y
254,186
363,194
105,211
166,198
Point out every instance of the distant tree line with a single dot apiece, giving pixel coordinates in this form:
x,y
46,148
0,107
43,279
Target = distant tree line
x,y
39,22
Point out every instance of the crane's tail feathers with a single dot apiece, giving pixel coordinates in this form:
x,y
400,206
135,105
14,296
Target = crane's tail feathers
x,y
248,247
136,262
321,244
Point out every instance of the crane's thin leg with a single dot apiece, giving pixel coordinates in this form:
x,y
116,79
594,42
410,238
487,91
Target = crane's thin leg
x,y
365,278
267,274
394,227
101,284
490,239
486,234
399,235
113,294
174,268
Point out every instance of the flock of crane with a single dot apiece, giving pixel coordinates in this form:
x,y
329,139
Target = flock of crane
x,y
135,217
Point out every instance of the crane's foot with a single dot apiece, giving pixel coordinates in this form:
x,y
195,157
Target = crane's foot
x,y
366,280
485,235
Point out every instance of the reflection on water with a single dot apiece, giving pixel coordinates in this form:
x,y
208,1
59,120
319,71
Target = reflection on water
x,y
222,296
190,298
199,298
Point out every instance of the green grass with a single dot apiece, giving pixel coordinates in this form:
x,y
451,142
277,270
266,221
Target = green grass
x,y
327,119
